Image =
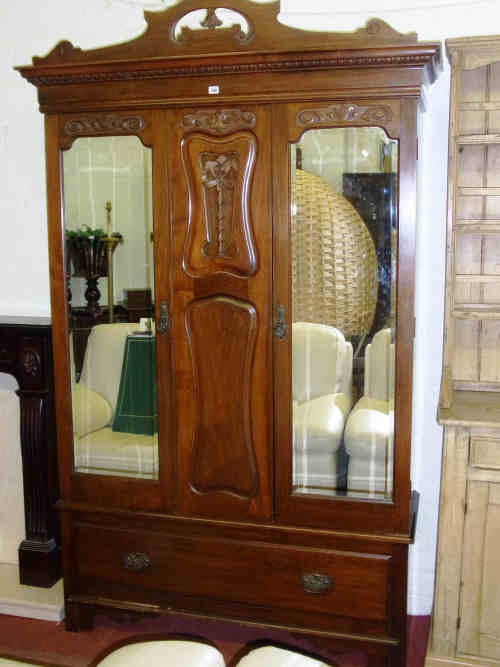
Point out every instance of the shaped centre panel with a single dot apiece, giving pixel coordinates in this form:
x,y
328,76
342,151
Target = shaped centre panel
x,y
222,335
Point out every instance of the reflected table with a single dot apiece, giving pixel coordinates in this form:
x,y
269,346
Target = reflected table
x,y
136,406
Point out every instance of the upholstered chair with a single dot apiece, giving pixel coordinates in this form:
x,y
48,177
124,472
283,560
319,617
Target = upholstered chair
x,y
369,432
98,447
322,379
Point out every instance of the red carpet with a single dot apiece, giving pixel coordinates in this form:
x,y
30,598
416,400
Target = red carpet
x,y
47,642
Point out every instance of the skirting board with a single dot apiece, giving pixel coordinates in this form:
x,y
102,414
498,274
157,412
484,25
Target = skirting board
x,y
44,604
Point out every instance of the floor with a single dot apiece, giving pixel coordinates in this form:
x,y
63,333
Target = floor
x,y
48,642
25,635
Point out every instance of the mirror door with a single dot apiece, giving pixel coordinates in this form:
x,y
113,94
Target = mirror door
x,y
109,264
343,211
336,289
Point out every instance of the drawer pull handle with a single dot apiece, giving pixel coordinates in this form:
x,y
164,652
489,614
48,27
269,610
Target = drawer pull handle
x,y
313,582
136,561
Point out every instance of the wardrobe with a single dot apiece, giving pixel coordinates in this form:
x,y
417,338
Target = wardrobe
x,y
245,454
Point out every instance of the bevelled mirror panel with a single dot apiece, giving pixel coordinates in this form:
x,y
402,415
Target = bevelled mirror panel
x,y
343,213
109,272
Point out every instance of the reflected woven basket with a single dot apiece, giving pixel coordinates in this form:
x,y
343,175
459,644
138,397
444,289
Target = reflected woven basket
x,y
334,264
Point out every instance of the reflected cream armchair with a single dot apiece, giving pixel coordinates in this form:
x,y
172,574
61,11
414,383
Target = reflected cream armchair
x,y
99,449
369,432
322,379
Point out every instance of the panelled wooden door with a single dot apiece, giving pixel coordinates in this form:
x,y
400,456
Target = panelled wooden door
x,y
220,314
479,629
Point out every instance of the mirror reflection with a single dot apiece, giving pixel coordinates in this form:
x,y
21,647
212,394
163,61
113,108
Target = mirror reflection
x,y
343,229
109,270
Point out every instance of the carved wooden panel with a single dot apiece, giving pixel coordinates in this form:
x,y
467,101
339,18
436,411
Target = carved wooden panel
x,y
348,113
222,334
381,113
219,174
219,121
98,124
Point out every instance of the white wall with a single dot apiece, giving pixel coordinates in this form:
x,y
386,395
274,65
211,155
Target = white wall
x,y
31,28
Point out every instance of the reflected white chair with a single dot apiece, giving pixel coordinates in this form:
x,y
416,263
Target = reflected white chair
x,y
99,449
322,398
369,432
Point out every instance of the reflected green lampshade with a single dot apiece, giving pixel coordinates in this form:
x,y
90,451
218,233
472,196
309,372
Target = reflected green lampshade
x,y
136,407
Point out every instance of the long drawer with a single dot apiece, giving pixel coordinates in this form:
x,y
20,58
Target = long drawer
x,y
319,581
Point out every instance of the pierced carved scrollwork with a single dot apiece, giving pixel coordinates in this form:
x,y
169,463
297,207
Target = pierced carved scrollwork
x,y
103,124
345,113
219,122
218,175
136,561
31,362
212,22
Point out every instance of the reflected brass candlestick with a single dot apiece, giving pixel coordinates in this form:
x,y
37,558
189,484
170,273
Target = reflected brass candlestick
x,y
111,243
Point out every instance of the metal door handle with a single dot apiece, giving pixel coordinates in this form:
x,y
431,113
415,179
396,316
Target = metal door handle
x,y
280,326
163,320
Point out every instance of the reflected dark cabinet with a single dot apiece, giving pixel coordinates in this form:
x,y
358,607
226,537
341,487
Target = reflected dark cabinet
x,y
236,148
375,198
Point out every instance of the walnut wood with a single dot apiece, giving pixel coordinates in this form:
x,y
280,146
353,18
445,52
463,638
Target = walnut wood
x,y
206,277
219,236
223,506
223,456
267,34
26,353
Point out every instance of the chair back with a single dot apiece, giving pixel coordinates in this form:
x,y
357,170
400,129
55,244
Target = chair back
x,y
322,361
379,367
102,363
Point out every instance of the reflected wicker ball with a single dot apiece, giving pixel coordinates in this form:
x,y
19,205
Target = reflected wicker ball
x,y
334,264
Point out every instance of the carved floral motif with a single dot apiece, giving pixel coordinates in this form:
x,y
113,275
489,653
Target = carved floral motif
x,y
98,124
211,21
345,113
218,175
31,362
219,122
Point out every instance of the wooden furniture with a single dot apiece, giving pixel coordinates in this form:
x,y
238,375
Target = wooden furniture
x,y
466,625
224,528
26,353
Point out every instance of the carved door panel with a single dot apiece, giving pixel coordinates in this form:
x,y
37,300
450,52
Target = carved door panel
x,y
219,167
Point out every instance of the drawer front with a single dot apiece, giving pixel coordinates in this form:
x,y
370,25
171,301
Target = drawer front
x,y
485,453
349,584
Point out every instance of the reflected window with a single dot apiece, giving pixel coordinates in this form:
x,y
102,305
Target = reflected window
x,y
343,227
